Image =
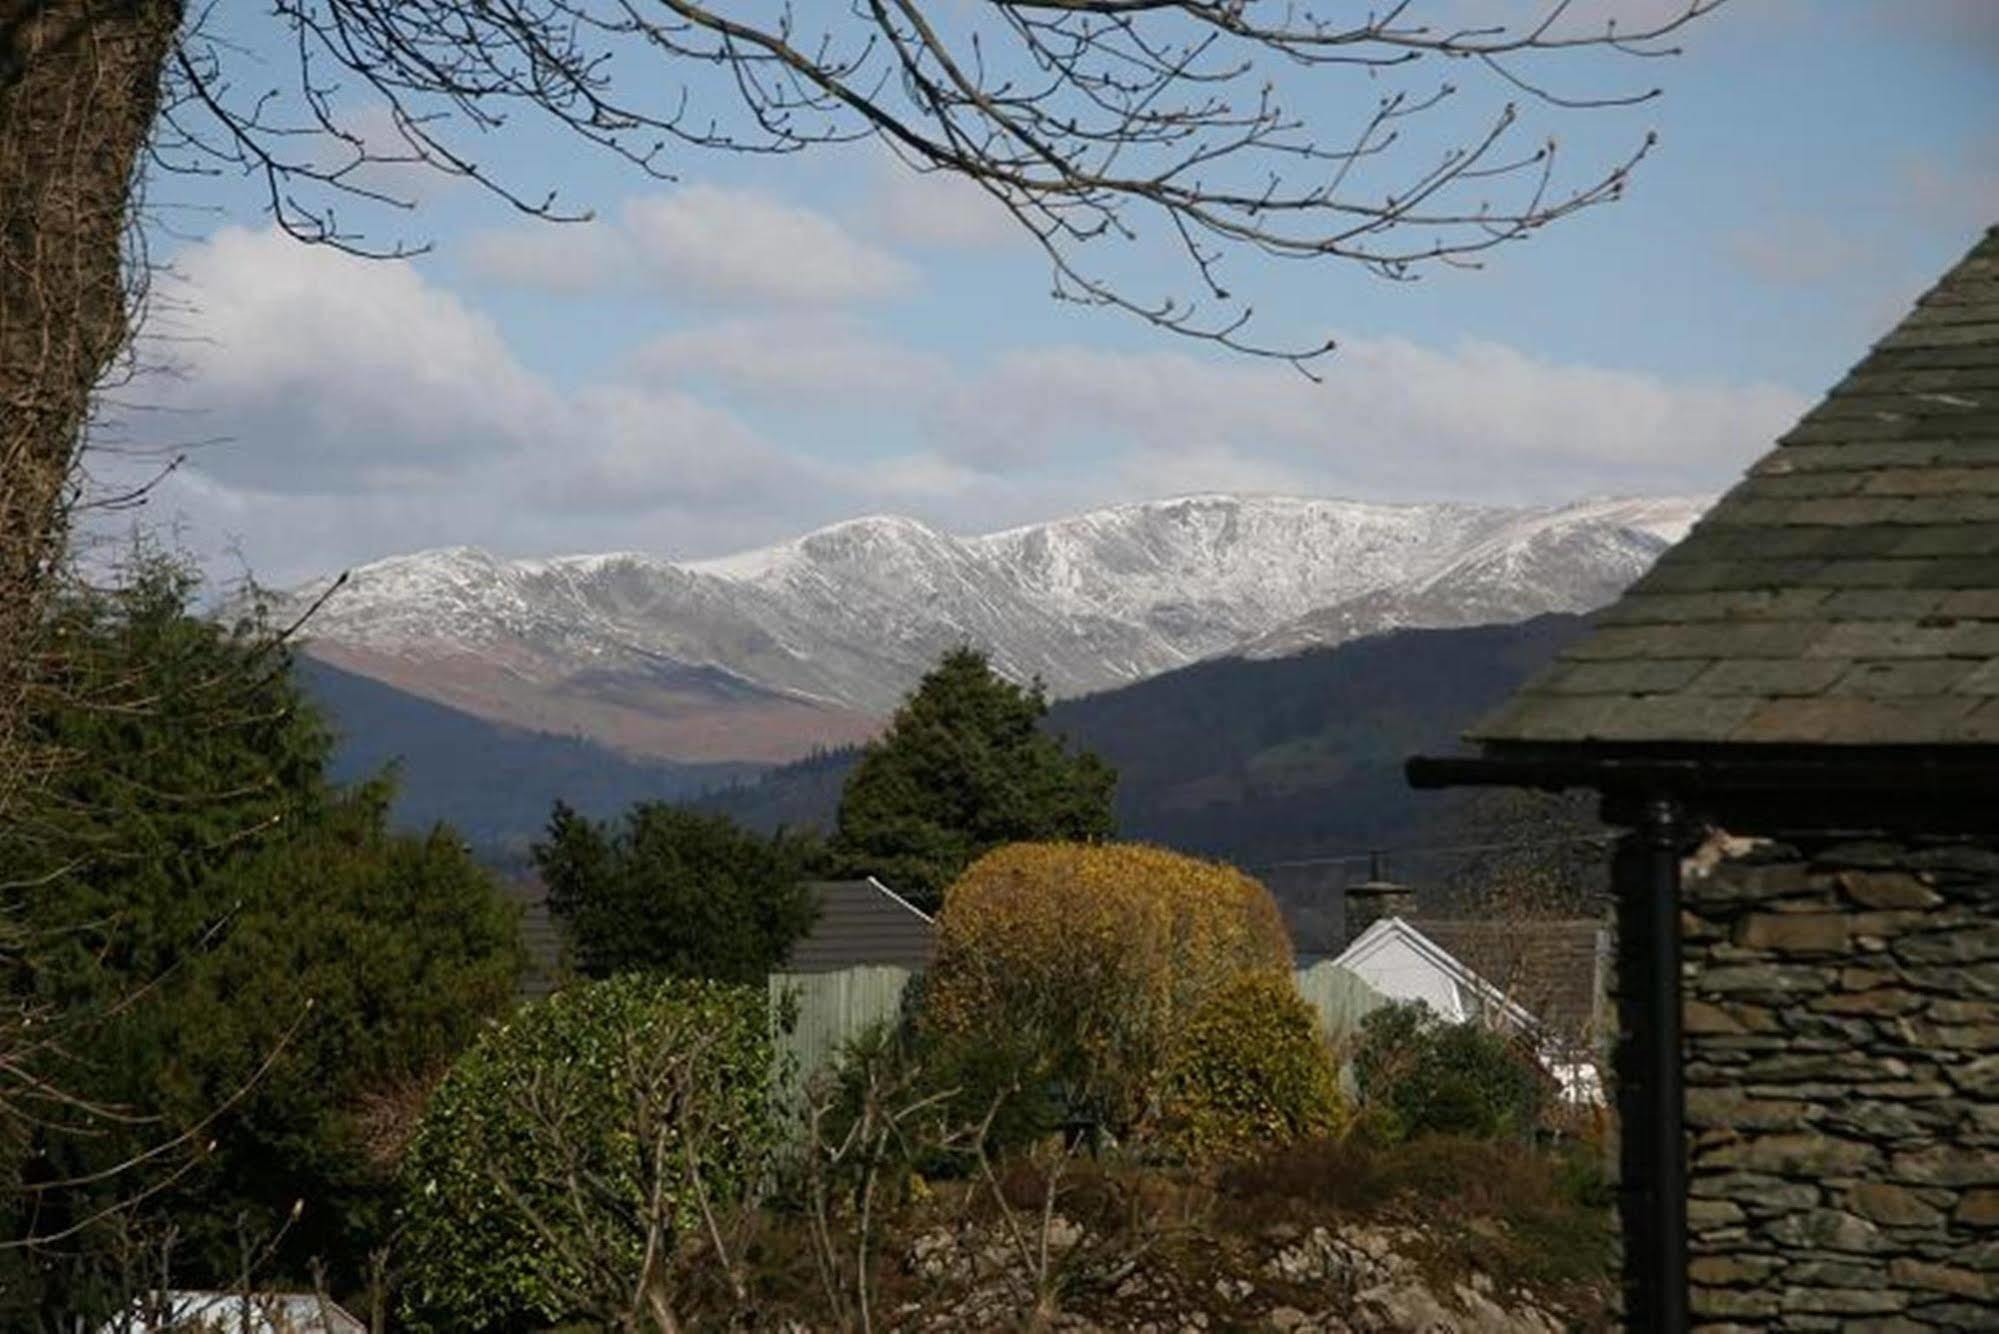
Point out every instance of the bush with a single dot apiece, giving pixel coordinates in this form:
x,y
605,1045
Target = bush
x,y
1420,1076
1095,959
585,1087
675,890
1252,1071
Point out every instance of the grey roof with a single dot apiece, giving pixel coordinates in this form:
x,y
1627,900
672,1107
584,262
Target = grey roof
x,y
1554,968
862,922
1846,592
541,937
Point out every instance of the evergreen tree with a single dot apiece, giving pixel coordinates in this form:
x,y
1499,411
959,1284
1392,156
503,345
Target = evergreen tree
x,y
963,768
670,889
239,954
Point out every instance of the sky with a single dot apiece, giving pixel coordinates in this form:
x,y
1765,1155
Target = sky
x,y
761,345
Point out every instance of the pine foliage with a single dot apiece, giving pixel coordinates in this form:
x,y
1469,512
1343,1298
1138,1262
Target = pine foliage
x,y
674,890
963,768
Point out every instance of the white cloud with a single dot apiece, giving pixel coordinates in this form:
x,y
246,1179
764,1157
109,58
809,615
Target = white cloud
x,y
707,243
322,371
564,258
372,411
1391,419
1794,250
939,209
810,358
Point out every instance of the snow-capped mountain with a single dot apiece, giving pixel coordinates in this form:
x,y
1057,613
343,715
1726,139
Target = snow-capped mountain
x,y
759,654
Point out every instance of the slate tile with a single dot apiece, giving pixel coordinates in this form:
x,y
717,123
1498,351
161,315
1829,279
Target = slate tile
x,y
1865,381
1855,720
1916,403
1848,511
1959,572
1903,678
1969,604
1948,539
1974,639
1640,677
1770,677
1939,509
1866,573
1934,358
1984,334
1981,726
1757,604
1673,718
1808,485
1862,640
1925,482
1982,679
1881,604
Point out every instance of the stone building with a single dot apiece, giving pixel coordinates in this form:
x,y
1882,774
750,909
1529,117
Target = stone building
x,y
1796,717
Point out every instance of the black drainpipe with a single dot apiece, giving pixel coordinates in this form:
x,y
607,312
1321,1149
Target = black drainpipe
x,y
1652,1161
1651,1088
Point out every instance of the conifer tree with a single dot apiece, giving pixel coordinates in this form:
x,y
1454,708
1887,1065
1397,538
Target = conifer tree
x,y
963,768
676,891
236,952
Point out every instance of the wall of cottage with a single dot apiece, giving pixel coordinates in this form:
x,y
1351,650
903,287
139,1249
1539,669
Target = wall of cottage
x,y
1842,1020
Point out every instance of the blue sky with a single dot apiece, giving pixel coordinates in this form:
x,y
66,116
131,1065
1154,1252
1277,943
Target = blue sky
x,y
762,345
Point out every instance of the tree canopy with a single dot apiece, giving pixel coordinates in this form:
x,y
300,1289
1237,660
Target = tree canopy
x,y
236,955
963,768
670,889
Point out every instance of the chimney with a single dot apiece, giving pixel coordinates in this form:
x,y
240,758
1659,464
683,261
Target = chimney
x,y
1373,899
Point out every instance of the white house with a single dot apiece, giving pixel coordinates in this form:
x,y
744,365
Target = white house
x,y
1539,978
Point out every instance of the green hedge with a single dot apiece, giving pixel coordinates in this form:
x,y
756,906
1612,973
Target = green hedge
x,y
558,1079
1420,1076
1253,1070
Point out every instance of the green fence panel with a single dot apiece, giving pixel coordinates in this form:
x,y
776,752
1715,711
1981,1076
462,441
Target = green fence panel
x,y
1341,999
832,1009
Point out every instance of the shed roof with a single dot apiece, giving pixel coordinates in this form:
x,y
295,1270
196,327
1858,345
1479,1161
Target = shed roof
x,y
1846,592
862,922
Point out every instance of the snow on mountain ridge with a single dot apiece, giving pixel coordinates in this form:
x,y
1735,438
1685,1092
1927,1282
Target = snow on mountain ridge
x,y
854,612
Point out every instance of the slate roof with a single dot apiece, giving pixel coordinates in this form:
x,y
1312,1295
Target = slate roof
x,y
1554,968
1846,592
862,922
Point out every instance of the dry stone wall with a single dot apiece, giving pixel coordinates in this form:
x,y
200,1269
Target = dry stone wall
x,y
1842,1020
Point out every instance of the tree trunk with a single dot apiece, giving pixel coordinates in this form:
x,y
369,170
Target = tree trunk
x,y
79,88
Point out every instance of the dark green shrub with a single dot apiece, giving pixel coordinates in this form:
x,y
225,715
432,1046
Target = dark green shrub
x,y
1420,1076
528,1184
674,890
1252,1071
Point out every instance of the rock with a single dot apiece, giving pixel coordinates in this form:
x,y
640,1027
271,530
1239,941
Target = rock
x,y
1940,1278
1947,1167
1887,889
1793,1155
1979,1208
1794,933
1828,1229
1964,944
1843,1301
1732,1270
1895,1205
1286,1317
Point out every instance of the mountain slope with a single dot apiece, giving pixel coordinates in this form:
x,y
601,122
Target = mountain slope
x,y
1262,761
492,783
764,655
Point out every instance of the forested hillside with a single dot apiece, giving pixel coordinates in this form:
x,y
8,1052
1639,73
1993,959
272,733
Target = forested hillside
x,y
1261,761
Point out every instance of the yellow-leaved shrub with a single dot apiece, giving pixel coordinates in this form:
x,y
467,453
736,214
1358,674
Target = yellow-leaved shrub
x,y
1251,1070
1095,957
